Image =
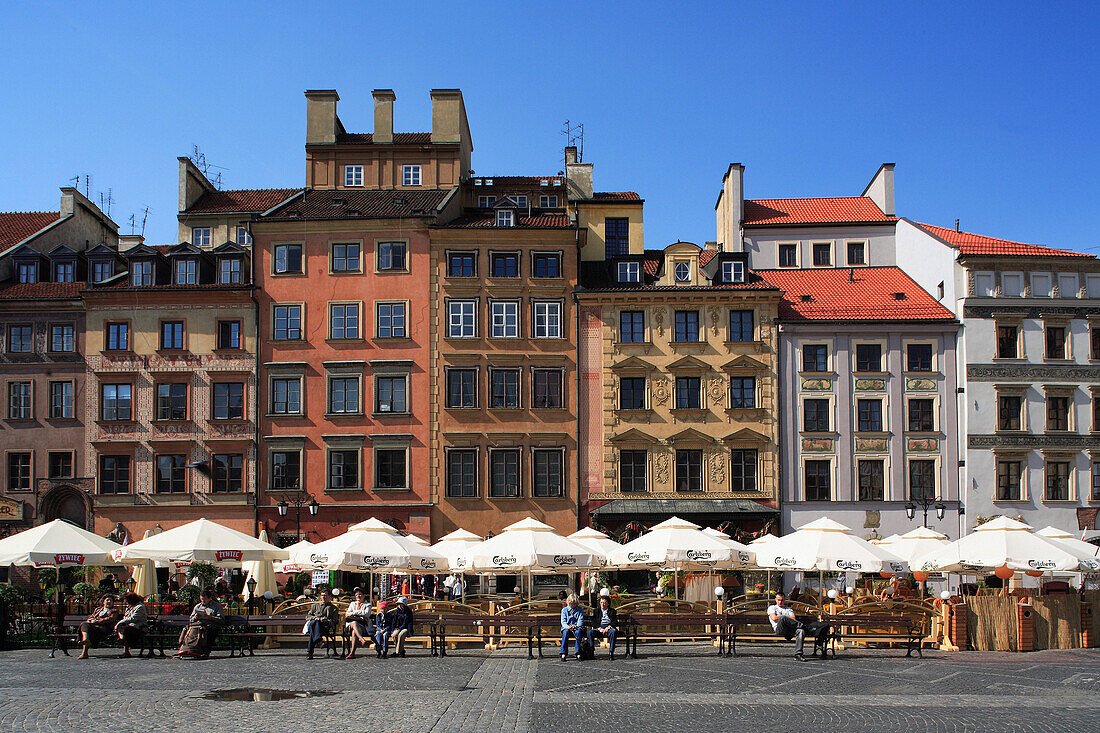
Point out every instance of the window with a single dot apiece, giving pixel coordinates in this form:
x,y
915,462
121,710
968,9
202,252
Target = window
x,y
391,256
20,339
548,202
984,284
228,473
19,401
345,258
461,318
1096,412
520,199
547,472
872,480
1055,342
815,358
733,272
171,475
547,320
505,319
682,272
1008,342
116,402
286,396
343,469
1010,485
389,468
544,265
868,357
857,253
918,357
869,415
62,337
19,471
243,237
743,469
61,400
486,202
788,255
818,481
504,264
389,394
60,464
114,474
343,321
200,236
504,389
102,270
547,387
288,259
461,388
229,271
390,320
815,416
742,327
27,272
629,272
410,175
686,327
228,400
229,335
461,264
286,469
1068,285
506,218
64,272
118,337
823,255
1094,342
1095,480
1009,409
922,479
504,473
461,472
1012,284
632,470
1057,481
632,393
288,323
171,335
343,395
688,393
1058,409
141,273
922,415
172,401
742,393
689,470
616,237
631,327
186,271
353,175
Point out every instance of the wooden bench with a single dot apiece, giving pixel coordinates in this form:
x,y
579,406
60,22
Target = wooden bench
x,y
737,620
872,628
150,644
704,626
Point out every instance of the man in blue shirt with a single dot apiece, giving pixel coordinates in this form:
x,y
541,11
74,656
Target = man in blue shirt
x,y
572,622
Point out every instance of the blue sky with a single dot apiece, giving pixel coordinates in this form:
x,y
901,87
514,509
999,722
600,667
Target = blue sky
x,y
989,110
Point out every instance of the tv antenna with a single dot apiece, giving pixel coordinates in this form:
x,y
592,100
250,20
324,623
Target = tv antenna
x,y
105,201
199,159
87,183
574,136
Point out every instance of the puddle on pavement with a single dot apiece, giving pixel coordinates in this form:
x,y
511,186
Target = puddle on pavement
x,y
259,694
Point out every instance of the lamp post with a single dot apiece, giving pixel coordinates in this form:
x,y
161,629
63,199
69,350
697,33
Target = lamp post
x,y
299,500
251,583
924,502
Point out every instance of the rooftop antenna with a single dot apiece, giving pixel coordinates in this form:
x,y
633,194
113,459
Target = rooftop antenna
x,y
132,224
144,218
199,159
106,201
956,225
574,136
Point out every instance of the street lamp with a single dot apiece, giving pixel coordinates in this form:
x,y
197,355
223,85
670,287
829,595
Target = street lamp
x,y
925,503
251,583
298,501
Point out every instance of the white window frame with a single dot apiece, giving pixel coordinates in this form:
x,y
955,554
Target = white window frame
x,y
629,272
353,176
486,202
733,271
506,218
548,201
461,319
676,275
504,319
411,174
185,268
520,199
243,237
271,394
144,269
549,312
201,236
832,253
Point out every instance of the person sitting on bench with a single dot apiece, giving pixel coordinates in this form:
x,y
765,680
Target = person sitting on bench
x,y
96,627
320,621
197,638
607,625
786,625
403,620
357,622
132,625
383,626
572,622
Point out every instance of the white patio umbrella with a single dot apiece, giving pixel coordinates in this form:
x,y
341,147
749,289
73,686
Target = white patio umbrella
x,y
600,544
456,547
419,540
757,545
744,556
529,547
57,544
263,573
914,544
287,566
1085,551
827,545
145,574
998,543
201,541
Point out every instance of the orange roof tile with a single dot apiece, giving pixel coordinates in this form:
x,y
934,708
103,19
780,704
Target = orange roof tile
x,y
833,210
616,196
859,294
541,221
977,244
241,199
15,226
40,291
399,138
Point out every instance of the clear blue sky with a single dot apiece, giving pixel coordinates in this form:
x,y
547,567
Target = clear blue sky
x,y
989,110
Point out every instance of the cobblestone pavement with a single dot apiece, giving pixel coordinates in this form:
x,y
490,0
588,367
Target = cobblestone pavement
x,y
668,688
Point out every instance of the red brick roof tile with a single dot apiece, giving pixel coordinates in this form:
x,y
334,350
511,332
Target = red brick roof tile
x,y
15,226
706,256
248,200
519,180
40,291
616,196
541,221
859,294
977,244
361,204
834,210
399,138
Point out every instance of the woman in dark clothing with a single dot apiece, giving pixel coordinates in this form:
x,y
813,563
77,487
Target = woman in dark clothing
x,y
96,627
133,622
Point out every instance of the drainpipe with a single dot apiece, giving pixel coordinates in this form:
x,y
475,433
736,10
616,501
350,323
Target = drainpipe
x,y
779,423
256,391
577,377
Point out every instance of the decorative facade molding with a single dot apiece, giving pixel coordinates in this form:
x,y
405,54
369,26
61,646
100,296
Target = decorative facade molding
x,y
1074,441
1033,372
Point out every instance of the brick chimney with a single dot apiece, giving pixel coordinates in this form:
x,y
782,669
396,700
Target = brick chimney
x,y
383,115
322,123
449,123
578,175
729,210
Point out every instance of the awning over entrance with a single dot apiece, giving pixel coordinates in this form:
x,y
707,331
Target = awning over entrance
x,y
633,508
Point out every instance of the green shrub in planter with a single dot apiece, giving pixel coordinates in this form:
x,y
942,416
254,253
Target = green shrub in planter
x,y
84,591
188,594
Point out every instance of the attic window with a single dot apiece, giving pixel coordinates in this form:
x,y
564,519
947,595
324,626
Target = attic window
x,y
339,202
506,218
353,212
733,272
629,272
898,296
294,214
806,298
401,201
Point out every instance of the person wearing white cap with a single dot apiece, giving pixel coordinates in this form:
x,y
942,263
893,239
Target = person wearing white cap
x,y
402,625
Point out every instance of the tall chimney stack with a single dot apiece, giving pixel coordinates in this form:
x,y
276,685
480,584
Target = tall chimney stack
x,y
321,120
383,115
578,176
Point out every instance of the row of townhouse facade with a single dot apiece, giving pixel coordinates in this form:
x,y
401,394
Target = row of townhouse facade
x,y
401,338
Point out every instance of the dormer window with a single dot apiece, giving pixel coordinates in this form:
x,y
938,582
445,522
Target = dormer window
x,y
141,273
548,202
102,270
64,272
186,272
229,271
630,272
682,272
200,237
506,218
733,272
486,202
353,175
27,272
